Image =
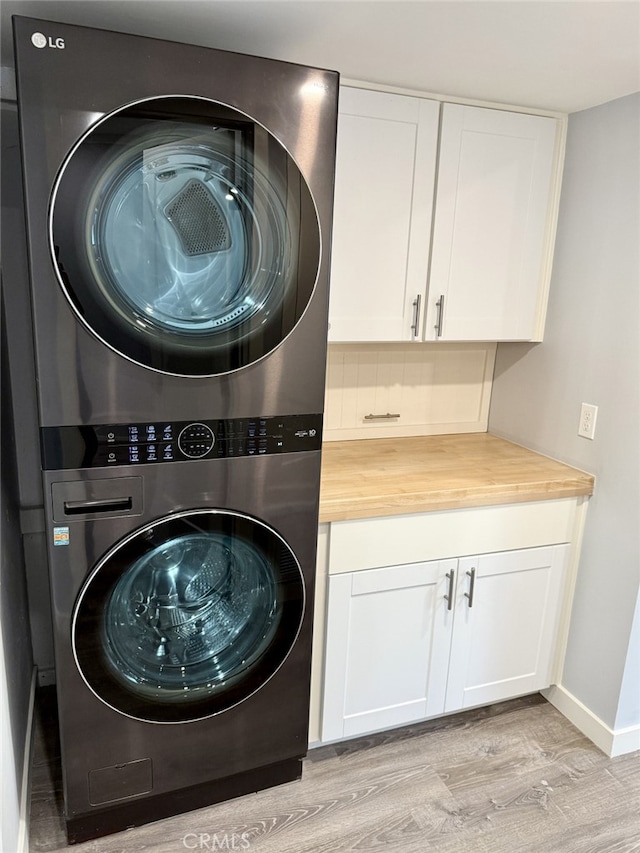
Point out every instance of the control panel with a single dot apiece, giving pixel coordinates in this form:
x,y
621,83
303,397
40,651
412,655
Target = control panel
x,y
177,441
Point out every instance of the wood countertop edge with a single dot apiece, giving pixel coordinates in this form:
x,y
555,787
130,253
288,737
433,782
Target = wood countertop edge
x,y
352,504
350,508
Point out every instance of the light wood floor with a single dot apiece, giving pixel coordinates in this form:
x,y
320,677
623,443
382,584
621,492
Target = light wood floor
x,y
513,778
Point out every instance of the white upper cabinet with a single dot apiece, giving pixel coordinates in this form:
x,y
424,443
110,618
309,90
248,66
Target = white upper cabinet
x,y
491,205
492,225
385,173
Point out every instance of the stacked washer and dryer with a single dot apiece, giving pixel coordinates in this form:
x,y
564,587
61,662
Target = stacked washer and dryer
x,y
178,206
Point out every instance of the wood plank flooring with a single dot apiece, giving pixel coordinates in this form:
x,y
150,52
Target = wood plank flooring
x,y
513,778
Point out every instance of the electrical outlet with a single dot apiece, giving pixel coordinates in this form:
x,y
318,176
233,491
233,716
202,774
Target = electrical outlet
x,y
587,425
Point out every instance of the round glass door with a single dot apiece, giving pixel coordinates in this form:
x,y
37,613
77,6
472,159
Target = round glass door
x,y
188,616
184,236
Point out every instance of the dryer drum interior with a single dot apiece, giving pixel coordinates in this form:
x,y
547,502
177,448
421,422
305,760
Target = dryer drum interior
x,y
185,236
188,617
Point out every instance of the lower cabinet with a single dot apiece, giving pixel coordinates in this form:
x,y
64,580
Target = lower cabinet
x,y
387,651
412,641
505,623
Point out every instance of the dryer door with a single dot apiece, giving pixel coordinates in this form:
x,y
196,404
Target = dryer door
x,y
184,236
188,616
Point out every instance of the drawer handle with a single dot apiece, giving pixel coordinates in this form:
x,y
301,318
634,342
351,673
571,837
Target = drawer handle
x,y
387,417
449,598
440,307
472,586
104,505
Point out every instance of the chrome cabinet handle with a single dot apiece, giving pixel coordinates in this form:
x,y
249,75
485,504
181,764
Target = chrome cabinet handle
x,y
416,316
440,307
472,586
386,417
449,598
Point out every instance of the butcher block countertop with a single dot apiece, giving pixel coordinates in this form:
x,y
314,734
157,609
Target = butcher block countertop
x,y
391,476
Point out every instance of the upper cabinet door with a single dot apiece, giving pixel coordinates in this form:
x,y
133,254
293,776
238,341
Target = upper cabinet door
x,y
493,225
385,175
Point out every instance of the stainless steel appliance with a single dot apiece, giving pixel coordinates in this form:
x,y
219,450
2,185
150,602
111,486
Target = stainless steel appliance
x,y
182,607
178,217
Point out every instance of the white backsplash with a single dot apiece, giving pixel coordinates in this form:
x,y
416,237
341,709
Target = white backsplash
x,y
435,388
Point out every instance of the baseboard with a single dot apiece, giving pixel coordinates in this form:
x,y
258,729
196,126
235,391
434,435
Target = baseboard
x,y
611,742
626,740
23,831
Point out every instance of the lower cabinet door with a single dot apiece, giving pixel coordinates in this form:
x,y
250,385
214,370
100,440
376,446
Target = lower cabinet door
x,y
506,616
388,643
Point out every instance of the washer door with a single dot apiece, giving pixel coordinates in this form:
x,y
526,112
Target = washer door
x,y
188,616
184,236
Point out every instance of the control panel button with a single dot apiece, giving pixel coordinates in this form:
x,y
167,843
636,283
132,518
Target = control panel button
x,y
161,441
196,440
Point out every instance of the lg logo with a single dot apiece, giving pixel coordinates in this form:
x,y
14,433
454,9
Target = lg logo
x,y
39,40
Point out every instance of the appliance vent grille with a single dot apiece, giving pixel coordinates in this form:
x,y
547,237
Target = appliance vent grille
x,y
197,220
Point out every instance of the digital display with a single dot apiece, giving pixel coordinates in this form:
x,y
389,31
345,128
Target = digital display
x,y
177,441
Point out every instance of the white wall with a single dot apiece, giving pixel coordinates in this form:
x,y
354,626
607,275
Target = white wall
x,y
9,779
16,662
21,375
16,659
629,705
591,353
